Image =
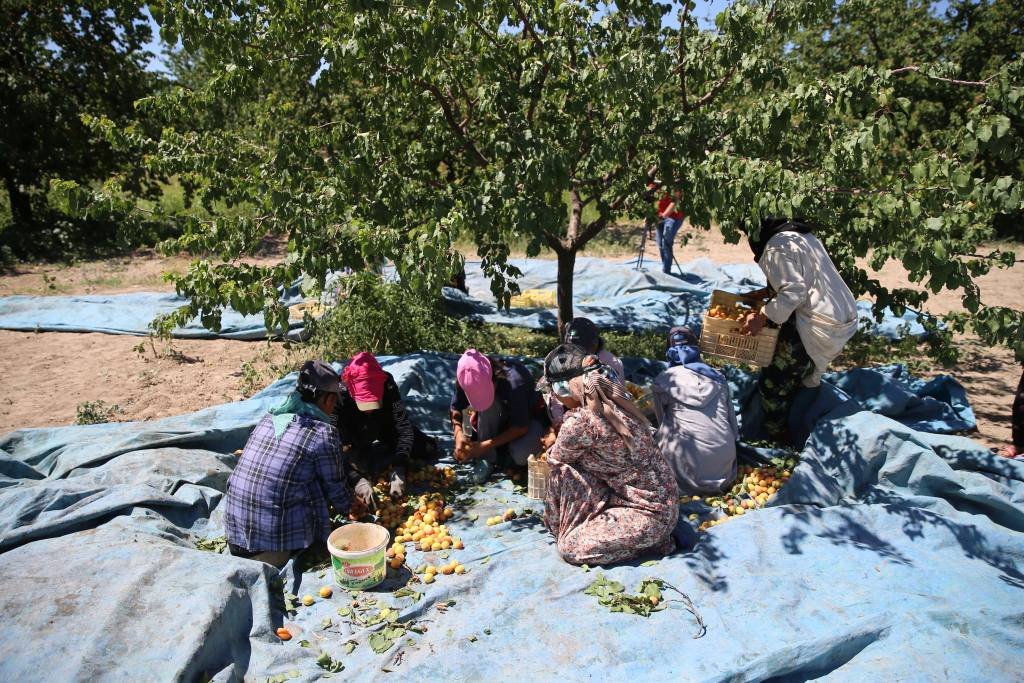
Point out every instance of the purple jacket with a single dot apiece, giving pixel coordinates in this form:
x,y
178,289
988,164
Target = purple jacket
x,y
277,496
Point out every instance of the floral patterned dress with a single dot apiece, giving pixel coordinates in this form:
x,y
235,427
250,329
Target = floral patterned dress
x,y
605,503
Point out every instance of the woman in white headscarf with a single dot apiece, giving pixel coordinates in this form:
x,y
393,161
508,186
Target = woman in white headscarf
x,y
611,494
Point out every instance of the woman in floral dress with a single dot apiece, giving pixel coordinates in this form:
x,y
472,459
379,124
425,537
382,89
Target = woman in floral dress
x,y
611,494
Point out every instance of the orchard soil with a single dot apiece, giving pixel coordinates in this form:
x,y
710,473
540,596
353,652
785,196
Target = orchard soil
x,y
46,376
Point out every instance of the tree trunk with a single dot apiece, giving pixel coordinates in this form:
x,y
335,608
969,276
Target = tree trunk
x,y
21,203
563,294
567,259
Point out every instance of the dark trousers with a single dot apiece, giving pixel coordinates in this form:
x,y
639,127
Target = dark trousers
x,y
780,381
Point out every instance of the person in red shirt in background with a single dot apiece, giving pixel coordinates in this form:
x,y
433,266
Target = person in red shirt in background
x,y
670,219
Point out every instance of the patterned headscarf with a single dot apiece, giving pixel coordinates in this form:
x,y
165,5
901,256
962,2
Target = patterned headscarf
x,y
607,399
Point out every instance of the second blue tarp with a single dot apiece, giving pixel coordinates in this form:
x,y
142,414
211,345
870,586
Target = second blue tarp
x,y
614,295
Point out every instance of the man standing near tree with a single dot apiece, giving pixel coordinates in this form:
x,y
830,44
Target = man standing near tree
x,y
809,302
670,219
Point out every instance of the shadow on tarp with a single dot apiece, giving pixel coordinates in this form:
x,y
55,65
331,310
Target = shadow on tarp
x,y
891,553
928,482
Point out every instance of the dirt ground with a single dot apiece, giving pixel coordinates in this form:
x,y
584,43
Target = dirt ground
x,y
158,381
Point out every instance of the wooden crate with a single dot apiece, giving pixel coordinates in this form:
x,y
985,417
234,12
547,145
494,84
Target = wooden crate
x,y
722,338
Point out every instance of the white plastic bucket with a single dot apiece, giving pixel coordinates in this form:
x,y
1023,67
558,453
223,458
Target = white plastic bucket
x,y
358,555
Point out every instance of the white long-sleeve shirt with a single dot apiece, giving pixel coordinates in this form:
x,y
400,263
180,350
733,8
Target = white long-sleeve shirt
x,y
808,286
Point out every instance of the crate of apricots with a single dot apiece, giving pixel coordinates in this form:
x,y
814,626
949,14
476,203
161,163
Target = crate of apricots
x,y
721,337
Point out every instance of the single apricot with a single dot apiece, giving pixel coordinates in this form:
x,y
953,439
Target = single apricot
x,y
284,634
326,592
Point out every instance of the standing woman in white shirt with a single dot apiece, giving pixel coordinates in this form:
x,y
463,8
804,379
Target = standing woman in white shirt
x,y
814,309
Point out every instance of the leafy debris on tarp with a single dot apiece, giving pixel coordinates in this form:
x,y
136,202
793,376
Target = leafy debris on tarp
x,y
217,544
646,601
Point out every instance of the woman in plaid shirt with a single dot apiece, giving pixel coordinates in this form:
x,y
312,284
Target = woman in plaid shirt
x,y
287,474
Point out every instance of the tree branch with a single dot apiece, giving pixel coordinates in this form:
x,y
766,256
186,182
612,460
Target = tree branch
x,y
535,98
620,201
452,118
953,81
715,90
554,242
575,217
873,39
683,16
591,230
528,26
499,50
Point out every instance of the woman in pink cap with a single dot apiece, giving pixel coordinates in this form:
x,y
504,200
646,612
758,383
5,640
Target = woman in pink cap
x,y
508,416
375,429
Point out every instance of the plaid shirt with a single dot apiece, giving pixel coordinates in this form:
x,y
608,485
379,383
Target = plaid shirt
x,y
277,496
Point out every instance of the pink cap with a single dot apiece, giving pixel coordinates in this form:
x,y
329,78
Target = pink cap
x,y
365,378
474,376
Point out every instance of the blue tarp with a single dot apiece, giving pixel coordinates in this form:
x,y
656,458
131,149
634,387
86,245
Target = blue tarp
x,y
892,553
613,295
124,314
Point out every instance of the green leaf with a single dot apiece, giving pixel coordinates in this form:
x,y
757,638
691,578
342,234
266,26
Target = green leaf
x,y
1000,126
407,592
329,664
381,641
649,563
